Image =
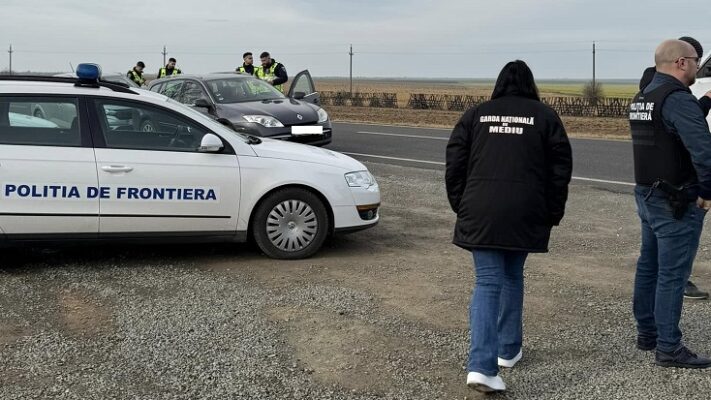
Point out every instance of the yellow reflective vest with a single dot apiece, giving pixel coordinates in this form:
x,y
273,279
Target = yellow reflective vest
x,y
241,69
269,74
136,77
164,71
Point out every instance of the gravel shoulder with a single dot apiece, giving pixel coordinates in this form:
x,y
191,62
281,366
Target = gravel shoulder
x,y
379,314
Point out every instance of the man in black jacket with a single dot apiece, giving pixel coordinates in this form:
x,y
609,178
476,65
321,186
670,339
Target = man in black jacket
x,y
247,66
672,168
690,290
271,71
136,74
170,69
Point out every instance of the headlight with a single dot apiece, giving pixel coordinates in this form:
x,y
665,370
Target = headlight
x,y
264,120
322,115
361,179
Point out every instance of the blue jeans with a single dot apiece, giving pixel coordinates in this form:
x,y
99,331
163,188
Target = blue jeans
x,y
496,310
667,253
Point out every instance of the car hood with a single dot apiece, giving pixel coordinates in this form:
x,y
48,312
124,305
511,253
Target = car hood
x,y
283,150
287,111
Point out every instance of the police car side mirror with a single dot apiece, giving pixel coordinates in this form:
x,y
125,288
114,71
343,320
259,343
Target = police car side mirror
x,y
299,95
210,144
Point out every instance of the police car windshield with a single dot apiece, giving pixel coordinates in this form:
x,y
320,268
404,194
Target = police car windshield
x,y
241,90
207,121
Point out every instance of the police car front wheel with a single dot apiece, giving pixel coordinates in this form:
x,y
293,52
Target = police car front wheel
x,y
290,224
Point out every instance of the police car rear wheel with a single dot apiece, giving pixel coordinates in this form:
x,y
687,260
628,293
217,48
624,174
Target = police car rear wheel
x,y
290,224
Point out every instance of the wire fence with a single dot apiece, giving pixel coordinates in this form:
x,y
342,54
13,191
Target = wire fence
x,y
614,107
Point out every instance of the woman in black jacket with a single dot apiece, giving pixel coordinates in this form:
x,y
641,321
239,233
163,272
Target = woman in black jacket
x,y
509,163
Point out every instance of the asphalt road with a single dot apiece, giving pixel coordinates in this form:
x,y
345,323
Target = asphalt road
x,y
598,162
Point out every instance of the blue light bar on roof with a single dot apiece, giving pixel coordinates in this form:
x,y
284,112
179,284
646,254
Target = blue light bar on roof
x,y
89,72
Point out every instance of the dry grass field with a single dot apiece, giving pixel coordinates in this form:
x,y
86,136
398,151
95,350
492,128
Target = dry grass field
x,y
598,127
403,88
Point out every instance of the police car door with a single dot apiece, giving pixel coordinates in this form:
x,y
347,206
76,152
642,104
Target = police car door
x,y
47,168
152,176
303,88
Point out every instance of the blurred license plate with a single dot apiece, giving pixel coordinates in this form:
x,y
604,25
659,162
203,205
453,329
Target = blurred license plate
x,y
307,130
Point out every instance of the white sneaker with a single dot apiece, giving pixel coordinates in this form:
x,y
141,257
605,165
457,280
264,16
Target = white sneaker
x,y
510,363
485,384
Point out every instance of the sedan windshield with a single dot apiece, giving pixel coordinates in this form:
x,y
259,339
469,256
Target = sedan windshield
x,y
207,121
240,90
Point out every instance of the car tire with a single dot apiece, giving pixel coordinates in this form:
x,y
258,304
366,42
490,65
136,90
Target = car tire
x,y
290,224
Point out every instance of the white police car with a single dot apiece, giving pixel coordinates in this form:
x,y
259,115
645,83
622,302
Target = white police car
x,y
121,163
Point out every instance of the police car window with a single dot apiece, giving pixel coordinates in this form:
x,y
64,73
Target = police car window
x,y
191,92
127,125
39,121
172,89
240,90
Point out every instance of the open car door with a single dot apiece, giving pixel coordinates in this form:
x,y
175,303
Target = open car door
x,y
302,88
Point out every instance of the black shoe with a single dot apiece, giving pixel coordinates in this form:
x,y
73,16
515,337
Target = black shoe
x,y
645,343
692,292
681,358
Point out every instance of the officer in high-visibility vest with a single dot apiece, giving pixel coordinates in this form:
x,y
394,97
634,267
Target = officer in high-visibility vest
x,y
271,71
169,70
136,74
247,66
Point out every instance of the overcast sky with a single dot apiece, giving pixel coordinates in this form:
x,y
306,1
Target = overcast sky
x,y
391,38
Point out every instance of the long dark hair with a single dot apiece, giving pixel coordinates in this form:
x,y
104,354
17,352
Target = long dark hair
x,y
516,79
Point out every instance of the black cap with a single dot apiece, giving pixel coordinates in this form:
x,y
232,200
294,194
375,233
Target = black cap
x,y
141,64
697,46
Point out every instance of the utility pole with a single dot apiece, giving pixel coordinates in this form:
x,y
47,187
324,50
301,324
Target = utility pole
x,y
10,53
350,53
164,54
593,81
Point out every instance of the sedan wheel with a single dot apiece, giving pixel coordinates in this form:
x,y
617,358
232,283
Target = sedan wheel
x,y
290,224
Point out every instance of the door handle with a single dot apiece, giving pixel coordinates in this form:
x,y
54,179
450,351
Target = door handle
x,y
116,168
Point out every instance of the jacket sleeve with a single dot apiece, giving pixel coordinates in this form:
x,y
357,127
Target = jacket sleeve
x,y
281,76
681,112
457,158
705,103
559,160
